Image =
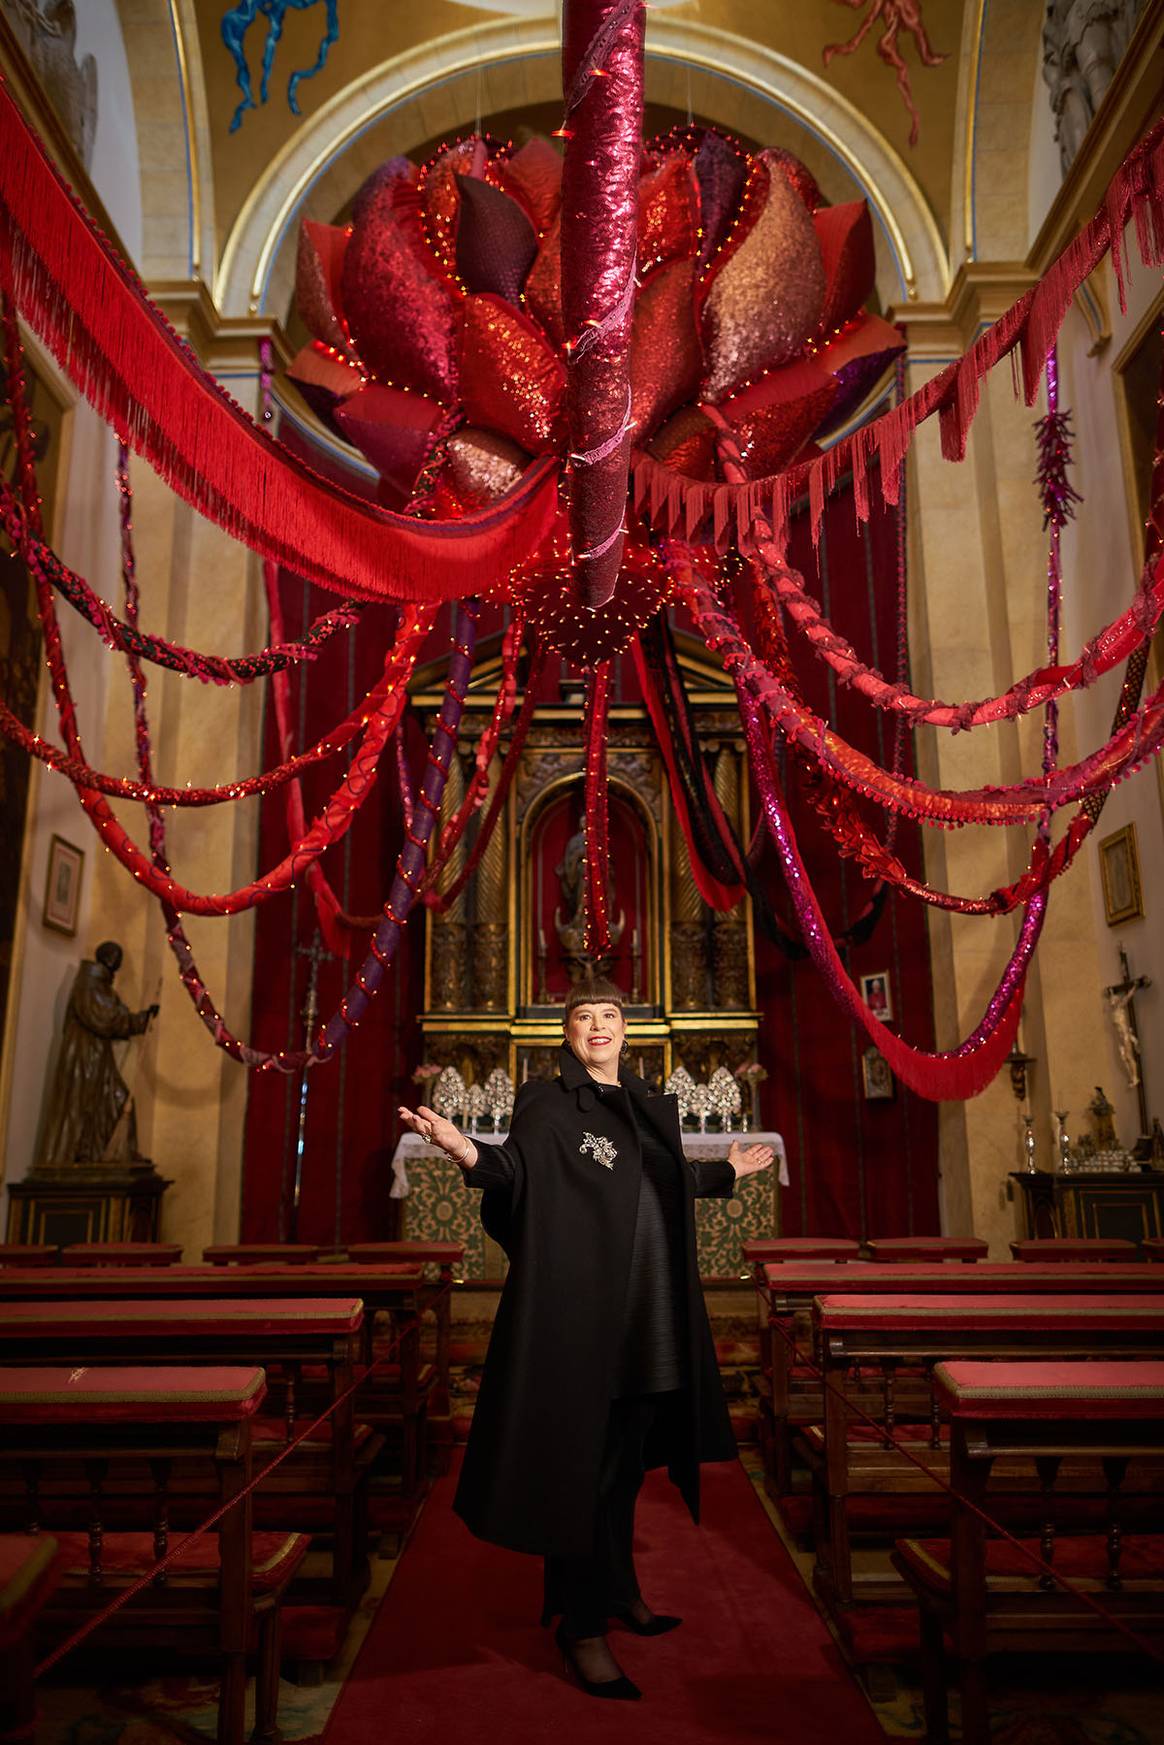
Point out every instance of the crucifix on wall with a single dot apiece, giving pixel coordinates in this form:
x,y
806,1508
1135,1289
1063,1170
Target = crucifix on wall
x,y
1121,1000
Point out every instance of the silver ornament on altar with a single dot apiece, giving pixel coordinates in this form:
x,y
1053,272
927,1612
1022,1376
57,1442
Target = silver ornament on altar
x,y
448,1098
724,1092
681,1086
701,1105
499,1096
476,1104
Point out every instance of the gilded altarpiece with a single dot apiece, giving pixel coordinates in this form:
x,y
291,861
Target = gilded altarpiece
x,y
501,958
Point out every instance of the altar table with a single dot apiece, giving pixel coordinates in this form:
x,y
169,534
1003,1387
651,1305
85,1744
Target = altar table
x,y
442,1209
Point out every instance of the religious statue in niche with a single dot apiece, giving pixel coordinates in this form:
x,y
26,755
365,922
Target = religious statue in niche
x,y
1083,44
47,32
89,1118
570,920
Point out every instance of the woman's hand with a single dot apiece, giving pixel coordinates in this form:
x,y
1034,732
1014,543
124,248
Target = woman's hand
x,y
749,1159
442,1133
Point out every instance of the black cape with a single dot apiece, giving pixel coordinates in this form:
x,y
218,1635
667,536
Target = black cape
x,y
566,1220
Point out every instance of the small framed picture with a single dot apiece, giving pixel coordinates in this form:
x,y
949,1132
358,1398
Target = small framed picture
x,y
1119,865
62,887
876,995
876,1077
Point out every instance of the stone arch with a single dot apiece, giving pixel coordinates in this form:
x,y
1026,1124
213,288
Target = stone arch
x,y
442,86
998,85
169,92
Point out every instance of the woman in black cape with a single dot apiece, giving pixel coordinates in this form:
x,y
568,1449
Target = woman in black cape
x,y
601,1362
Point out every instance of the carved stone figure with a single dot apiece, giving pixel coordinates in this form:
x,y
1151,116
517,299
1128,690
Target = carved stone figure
x,y
1083,44
47,32
90,1117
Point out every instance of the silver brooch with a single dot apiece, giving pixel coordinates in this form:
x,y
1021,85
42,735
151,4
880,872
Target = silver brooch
x,y
603,1151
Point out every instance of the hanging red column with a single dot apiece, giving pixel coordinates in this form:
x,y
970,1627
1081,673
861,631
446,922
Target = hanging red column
x,y
602,81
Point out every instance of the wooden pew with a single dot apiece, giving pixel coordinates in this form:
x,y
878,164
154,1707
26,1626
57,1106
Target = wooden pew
x,y
397,1403
261,1254
787,1293
30,1571
121,1254
978,1592
851,1460
68,1440
928,1250
1153,1247
325,1482
444,1260
1049,1250
28,1253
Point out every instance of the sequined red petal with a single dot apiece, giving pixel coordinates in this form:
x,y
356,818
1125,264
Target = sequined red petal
x,y
512,380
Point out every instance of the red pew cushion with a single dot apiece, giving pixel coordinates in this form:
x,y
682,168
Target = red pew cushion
x,y
890,1248
130,1396
814,1279
1082,1560
255,1253
124,1556
28,1253
64,1320
1052,1249
775,1249
1087,1389
956,1311
123,1253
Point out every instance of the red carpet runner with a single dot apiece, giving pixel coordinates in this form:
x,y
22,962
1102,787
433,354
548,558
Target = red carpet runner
x,y
455,1651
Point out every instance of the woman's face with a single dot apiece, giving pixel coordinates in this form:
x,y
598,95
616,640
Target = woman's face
x,y
595,1032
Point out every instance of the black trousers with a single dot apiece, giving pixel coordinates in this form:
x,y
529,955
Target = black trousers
x,y
586,1590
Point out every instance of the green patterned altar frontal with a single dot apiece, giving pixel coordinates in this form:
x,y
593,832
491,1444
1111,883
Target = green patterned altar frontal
x,y
440,1208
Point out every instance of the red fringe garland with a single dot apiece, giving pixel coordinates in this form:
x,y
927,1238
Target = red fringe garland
x,y
674,503
94,315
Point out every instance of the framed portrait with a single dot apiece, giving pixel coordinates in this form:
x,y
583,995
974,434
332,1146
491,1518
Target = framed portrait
x,y
62,888
1119,865
876,1076
875,991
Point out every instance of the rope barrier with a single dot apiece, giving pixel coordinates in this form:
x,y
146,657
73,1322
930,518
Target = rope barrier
x,y
1040,1564
143,1581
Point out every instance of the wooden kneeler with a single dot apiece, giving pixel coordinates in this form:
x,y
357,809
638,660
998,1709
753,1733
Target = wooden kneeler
x,y
73,1440
977,1592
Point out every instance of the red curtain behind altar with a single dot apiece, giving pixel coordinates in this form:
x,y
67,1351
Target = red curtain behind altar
x,y
858,1167
556,830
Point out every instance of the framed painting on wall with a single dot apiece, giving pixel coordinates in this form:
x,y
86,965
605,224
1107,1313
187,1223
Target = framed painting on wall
x,y
62,888
876,995
1119,864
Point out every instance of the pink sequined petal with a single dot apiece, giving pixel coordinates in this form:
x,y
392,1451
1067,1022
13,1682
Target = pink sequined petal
x,y
765,302
537,170
394,430
668,213
318,270
398,305
481,466
543,288
666,361
511,379
496,243
845,234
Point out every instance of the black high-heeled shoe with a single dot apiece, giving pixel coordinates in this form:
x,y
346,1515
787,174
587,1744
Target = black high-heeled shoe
x,y
656,1625
618,1689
